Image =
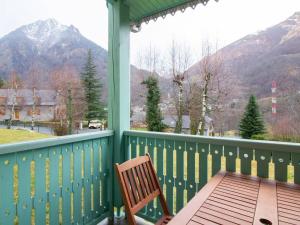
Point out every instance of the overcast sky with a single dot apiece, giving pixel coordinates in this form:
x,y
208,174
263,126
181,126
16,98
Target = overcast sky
x,y
224,22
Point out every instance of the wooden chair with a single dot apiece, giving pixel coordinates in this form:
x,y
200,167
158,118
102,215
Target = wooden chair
x,y
139,186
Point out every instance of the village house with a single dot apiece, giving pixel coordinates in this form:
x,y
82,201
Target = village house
x,y
170,121
25,101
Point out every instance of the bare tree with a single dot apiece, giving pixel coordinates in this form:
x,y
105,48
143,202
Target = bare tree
x,y
214,84
14,84
180,60
34,83
65,81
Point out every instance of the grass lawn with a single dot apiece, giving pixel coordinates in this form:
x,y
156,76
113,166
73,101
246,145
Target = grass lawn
x,y
11,136
139,128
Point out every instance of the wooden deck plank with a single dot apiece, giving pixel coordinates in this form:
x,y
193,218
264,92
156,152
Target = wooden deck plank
x,y
279,194
203,221
237,191
213,218
232,208
288,220
239,180
233,184
234,188
230,199
288,200
288,203
250,183
289,211
241,207
195,223
222,215
266,203
223,190
239,198
228,212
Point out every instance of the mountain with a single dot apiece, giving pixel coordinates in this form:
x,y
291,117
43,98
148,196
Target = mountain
x,y
257,59
47,45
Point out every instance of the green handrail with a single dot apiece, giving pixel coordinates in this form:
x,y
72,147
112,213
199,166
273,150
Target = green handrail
x,y
185,163
65,180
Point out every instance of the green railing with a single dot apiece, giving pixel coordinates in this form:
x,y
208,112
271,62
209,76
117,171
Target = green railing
x,y
185,163
56,181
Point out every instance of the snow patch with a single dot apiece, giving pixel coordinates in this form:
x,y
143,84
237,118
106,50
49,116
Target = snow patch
x,y
44,30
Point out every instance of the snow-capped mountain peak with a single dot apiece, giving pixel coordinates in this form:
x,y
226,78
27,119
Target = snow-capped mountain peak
x,y
42,30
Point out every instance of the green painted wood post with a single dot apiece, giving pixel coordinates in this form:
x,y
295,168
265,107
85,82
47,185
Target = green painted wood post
x,y
119,83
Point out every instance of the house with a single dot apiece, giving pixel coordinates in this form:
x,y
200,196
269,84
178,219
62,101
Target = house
x,y
23,100
170,121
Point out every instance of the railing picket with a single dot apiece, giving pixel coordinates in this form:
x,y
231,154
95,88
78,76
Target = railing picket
x,y
169,145
160,169
231,155
281,161
54,193
104,180
96,179
179,181
133,144
216,151
7,206
190,180
40,199
246,156
66,184
203,152
24,191
142,144
263,158
296,164
88,147
151,145
77,185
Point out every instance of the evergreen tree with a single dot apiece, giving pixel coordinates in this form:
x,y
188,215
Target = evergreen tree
x,y
92,88
153,115
251,123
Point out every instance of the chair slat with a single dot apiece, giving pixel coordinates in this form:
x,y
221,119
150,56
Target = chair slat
x,y
128,189
133,185
152,175
143,178
148,177
138,184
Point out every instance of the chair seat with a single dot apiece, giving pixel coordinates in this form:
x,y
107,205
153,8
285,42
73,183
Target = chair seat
x,y
164,220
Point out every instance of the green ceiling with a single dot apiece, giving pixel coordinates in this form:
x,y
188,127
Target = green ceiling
x,y
146,10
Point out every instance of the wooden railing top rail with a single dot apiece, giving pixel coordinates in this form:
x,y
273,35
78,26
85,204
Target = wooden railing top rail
x,y
253,144
49,142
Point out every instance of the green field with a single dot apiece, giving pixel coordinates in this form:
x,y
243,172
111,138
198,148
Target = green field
x,y
11,136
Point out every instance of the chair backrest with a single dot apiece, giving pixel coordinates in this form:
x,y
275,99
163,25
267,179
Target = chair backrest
x,y
139,185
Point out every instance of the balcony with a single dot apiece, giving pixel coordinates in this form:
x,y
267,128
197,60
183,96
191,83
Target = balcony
x,y
70,180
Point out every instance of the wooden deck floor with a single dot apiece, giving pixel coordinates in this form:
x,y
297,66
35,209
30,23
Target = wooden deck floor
x,y
235,199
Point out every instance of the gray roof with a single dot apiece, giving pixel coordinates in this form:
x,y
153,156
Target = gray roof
x,y
47,97
170,121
